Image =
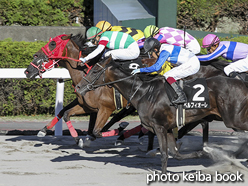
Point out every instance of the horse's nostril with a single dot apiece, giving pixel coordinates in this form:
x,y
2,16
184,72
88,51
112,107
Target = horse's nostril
x,y
26,72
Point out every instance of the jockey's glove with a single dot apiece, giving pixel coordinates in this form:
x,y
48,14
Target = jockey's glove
x,y
83,60
135,71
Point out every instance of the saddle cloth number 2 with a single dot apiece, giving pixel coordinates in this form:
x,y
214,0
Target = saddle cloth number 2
x,y
197,94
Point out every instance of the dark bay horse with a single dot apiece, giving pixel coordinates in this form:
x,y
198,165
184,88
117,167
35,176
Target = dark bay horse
x,y
100,103
228,100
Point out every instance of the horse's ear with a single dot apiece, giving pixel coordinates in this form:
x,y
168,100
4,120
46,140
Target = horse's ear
x,y
109,58
66,37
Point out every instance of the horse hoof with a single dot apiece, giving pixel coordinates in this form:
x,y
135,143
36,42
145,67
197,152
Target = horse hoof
x,y
41,134
200,154
81,143
207,149
123,124
119,142
87,142
152,153
141,140
91,138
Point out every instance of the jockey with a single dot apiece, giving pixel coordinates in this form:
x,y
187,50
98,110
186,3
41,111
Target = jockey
x,y
173,36
230,50
123,45
188,64
136,34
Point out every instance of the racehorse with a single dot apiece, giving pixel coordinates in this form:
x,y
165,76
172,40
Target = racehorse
x,y
64,50
228,100
104,104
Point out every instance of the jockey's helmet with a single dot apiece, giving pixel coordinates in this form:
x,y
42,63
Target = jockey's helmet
x,y
92,32
150,44
104,26
210,40
151,31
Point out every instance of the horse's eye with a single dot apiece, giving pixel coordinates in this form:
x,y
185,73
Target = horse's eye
x,y
53,43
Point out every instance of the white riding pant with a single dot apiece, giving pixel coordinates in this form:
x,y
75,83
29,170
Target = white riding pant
x,y
194,46
186,69
237,66
132,52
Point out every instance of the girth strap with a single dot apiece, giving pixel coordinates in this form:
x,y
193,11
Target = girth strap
x,y
117,99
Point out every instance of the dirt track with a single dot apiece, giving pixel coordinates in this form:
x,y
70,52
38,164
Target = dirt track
x,y
57,161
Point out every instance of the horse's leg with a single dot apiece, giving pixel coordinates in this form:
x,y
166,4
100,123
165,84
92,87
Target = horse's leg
x,y
174,151
161,133
76,110
151,136
205,128
91,126
52,123
117,117
102,117
185,129
90,136
142,135
127,134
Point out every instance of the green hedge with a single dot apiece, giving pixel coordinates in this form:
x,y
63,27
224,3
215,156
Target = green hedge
x,y
41,12
35,97
25,96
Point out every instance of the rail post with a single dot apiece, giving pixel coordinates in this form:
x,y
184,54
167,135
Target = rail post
x,y
59,106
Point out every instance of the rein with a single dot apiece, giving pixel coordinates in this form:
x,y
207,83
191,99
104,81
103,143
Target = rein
x,y
90,86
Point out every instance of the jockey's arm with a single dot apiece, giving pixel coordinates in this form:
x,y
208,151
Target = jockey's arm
x,y
159,37
218,52
97,51
159,63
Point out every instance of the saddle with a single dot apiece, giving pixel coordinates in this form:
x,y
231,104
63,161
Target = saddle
x,y
129,65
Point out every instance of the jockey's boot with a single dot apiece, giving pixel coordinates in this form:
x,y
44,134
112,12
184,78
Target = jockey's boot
x,y
235,75
180,93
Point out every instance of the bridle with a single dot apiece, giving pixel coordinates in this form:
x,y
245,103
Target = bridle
x,y
52,57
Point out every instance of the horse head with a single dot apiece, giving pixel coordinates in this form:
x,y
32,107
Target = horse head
x,y
96,75
48,56
58,50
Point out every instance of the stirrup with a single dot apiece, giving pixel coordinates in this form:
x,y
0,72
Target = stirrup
x,y
236,75
180,100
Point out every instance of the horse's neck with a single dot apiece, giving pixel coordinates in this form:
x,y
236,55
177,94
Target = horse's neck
x,y
76,74
124,87
128,88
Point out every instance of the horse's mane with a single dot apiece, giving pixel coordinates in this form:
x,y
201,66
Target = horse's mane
x,y
216,63
80,40
143,77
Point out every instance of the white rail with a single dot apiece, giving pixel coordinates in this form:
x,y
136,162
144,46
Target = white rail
x,y
57,73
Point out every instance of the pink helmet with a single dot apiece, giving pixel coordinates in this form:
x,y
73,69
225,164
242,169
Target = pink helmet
x,y
210,40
